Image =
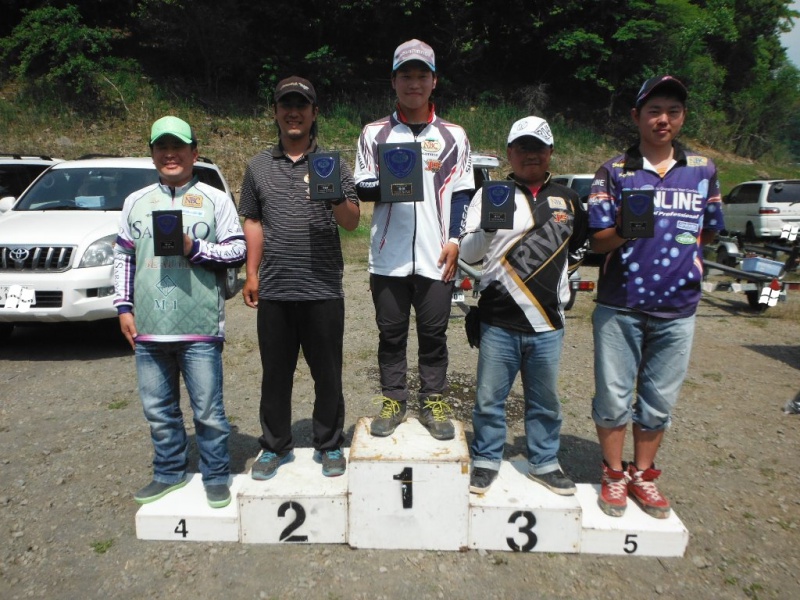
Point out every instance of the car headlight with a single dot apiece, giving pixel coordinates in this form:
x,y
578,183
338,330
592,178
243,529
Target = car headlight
x,y
100,253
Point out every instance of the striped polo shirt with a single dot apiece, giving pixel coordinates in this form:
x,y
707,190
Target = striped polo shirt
x,y
302,257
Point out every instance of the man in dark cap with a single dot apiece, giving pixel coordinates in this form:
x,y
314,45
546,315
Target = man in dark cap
x,y
294,279
648,289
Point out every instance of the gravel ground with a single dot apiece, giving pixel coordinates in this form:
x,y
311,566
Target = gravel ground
x,y
74,447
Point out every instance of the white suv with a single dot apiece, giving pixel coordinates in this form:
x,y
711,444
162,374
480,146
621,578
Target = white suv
x,y
57,241
760,209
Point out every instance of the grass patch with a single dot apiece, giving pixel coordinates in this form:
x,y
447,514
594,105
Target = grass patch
x,y
102,546
117,404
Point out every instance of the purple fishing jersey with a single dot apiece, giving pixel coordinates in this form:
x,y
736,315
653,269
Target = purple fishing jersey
x,y
661,275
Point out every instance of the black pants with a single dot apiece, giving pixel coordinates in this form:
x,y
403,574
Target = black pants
x,y
393,298
318,328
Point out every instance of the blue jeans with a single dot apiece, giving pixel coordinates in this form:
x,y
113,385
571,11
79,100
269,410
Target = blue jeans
x,y
639,366
158,366
503,354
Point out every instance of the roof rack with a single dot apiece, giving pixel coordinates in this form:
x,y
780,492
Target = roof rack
x,y
22,156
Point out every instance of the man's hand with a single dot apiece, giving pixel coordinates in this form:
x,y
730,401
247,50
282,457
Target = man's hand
x,y
187,245
250,291
449,258
128,326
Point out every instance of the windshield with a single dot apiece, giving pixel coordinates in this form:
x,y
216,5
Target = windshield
x,y
85,189
784,191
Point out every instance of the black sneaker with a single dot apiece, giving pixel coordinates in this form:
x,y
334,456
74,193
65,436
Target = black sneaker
x,y
392,414
556,481
218,495
267,464
155,490
433,413
333,462
481,479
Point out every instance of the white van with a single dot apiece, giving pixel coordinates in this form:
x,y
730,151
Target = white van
x,y
760,209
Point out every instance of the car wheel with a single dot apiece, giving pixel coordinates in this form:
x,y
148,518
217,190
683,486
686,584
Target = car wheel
x,y
572,295
5,330
231,283
752,299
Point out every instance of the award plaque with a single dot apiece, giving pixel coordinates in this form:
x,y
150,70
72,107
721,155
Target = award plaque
x,y
637,214
168,232
497,205
401,172
324,180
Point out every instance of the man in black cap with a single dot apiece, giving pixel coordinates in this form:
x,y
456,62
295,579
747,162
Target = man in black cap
x,y
294,279
648,290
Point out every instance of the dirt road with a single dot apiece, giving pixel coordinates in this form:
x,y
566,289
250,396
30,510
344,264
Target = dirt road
x,y
74,447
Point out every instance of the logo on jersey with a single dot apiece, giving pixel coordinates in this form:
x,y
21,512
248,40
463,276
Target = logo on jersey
x,y
557,203
432,146
685,238
696,161
433,165
193,201
560,216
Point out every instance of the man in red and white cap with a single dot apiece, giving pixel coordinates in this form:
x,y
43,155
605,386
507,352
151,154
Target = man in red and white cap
x,y
414,245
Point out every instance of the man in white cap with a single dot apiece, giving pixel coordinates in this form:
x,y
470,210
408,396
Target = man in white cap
x,y
414,245
524,287
175,320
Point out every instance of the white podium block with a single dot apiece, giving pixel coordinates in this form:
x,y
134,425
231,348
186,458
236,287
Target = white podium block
x,y
521,515
634,533
298,505
408,490
185,516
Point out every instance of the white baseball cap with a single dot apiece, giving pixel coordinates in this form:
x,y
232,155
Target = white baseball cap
x,y
532,126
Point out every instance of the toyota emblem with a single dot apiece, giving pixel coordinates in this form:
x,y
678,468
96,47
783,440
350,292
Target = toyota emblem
x,y
19,255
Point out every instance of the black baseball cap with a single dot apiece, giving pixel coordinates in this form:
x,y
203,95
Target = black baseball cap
x,y
295,85
662,83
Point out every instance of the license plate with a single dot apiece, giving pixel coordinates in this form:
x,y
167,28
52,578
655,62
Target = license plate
x,y
17,297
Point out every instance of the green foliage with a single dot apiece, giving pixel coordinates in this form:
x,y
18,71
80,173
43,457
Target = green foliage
x,y
52,50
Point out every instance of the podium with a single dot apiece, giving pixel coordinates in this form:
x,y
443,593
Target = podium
x,y
409,491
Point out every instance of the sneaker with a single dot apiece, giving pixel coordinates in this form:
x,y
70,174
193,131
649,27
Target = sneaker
x,y
613,498
155,490
792,407
267,464
433,413
333,462
218,495
642,487
556,481
392,414
481,479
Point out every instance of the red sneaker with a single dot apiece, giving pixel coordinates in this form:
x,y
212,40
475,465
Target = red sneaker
x,y
642,487
613,497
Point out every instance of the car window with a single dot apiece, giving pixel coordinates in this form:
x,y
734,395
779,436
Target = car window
x,y
15,178
209,177
784,191
582,186
86,189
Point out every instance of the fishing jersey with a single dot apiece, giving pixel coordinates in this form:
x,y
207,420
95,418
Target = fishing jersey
x,y
177,298
302,254
525,280
659,276
407,238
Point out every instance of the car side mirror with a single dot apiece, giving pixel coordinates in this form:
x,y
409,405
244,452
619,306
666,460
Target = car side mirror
x,y
6,204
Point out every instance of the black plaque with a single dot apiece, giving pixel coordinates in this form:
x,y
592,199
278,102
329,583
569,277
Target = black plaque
x,y
168,233
324,179
401,172
637,214
497,205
